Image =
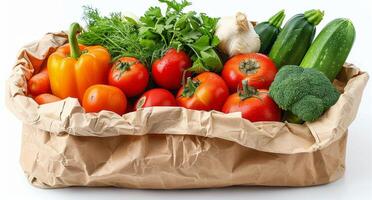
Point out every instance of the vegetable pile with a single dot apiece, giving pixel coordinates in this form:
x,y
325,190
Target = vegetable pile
x,y
176,58
155,33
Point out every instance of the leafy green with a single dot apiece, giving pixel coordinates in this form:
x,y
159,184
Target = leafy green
x,y
178,7
156,32
119,35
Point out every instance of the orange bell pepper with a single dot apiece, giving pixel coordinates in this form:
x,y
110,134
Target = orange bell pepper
x,y
72,68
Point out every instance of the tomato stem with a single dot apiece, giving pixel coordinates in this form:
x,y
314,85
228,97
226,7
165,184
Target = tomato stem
x,y
249,66
141,102
72,39
247,91
124,66
190,87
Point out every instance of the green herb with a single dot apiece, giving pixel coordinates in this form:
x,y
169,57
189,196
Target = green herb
x,y
119,35
155,32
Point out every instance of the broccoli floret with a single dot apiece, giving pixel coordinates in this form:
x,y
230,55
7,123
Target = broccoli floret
x,y
307,93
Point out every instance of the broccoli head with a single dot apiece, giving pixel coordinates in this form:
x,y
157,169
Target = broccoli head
x,y
307,93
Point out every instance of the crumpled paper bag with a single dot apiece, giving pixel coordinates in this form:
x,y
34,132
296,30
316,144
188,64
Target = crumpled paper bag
x,y
173,147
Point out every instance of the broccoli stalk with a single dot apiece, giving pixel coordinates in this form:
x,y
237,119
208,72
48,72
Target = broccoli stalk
x,y
292,118
306,93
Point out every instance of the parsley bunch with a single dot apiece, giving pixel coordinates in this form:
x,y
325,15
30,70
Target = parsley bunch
x,y
156,32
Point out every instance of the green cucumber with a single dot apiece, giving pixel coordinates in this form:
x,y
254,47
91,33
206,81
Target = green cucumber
x,y
295,38
330,48
269,31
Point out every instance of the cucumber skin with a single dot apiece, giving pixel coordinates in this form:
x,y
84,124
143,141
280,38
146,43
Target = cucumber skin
x,y
293,41
331,47
268,34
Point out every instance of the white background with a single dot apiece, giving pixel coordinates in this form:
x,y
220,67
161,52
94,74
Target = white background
x,y
25,21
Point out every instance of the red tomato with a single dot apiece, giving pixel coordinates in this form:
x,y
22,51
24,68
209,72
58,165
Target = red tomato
x,y
168,71
257,68
156,97
207,91
39,83
255,105
130,75
104,97
46,98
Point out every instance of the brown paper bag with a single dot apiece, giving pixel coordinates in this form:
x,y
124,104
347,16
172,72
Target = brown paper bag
x,y
172,147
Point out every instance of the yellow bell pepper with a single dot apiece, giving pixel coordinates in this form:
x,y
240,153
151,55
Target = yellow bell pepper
x,y
72,68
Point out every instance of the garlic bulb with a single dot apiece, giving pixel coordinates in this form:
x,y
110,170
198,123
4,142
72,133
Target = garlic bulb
x,y
237,35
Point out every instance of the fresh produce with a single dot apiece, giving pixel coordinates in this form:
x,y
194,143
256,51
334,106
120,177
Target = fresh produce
x,y
39,83
255,105
104,97
307,93
155,33
295,38
330,48
188,31
207,91
168,71
46,98
118,34
155,97
73,68
130,75
257,68
237,35
162,53
269,31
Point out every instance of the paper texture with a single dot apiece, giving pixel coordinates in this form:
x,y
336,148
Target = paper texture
x,y
172,147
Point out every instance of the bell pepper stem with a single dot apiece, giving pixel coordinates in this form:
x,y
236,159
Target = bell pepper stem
x,y
72,39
